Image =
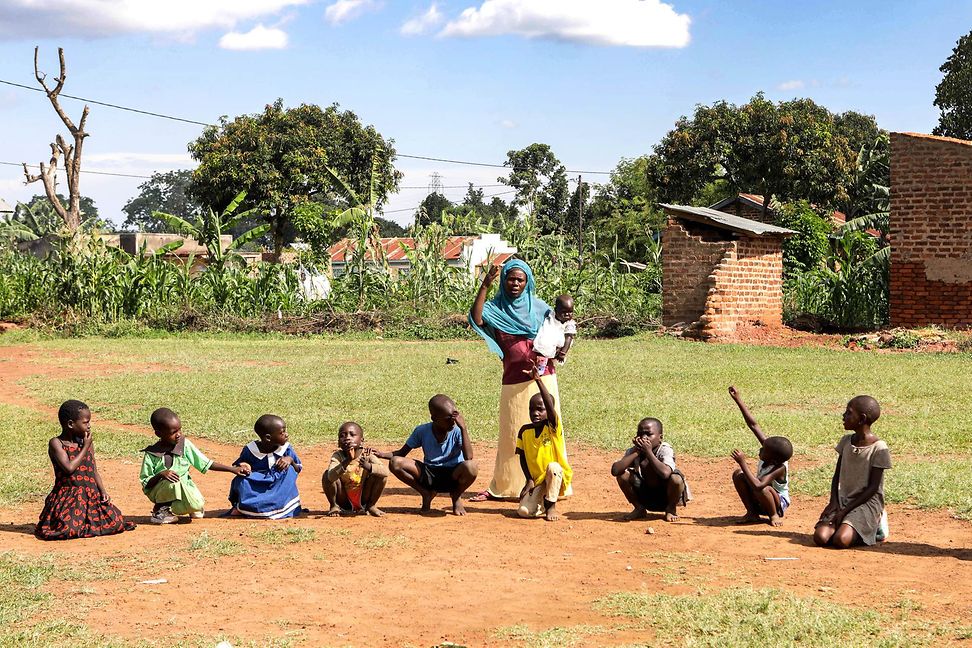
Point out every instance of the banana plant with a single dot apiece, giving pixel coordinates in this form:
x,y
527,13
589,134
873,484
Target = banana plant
x,y
208,229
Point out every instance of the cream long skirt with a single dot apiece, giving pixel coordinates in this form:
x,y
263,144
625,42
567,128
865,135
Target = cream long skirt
x,y
514,413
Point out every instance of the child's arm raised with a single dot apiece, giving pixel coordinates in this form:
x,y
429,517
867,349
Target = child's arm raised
x,y
753,480
747,415
548,400
59,457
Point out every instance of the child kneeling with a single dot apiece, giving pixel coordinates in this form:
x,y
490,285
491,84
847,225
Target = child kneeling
x,y
543,457
648,476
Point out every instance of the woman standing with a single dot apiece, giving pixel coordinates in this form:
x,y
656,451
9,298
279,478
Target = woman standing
x,y
508,323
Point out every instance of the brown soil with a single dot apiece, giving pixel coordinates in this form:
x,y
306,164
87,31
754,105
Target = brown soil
x,y
407,579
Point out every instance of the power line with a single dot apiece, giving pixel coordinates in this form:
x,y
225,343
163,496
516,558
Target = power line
x,y
199,123
111,105
104,173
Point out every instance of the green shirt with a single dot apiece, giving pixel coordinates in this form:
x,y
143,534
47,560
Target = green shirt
x,y
179,459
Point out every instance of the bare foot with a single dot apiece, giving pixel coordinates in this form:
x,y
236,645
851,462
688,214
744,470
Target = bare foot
x,y
749,518
374,511
551,515
427,501
670,516
776,520
458,508
636,514
335,511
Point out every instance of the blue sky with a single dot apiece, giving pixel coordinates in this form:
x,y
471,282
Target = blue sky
x,y
598,80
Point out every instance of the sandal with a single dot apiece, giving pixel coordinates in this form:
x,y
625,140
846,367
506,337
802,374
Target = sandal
x,y
484,496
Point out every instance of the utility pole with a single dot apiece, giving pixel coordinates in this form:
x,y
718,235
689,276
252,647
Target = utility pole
x,y
580,220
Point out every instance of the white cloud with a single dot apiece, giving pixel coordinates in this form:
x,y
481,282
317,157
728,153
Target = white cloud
x,y
795,84
632,23
508,123
258,38
422,24
345,10
29,19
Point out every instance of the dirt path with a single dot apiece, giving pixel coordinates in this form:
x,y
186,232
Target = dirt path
x,y
410,580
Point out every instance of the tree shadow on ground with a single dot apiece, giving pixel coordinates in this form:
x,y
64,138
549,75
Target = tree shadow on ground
x,y
919,549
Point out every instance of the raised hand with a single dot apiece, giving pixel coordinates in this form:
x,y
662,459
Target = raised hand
x,y
734,392
491,275
738,457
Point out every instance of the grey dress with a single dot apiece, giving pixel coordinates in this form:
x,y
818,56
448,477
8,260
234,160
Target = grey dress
x,y
855,470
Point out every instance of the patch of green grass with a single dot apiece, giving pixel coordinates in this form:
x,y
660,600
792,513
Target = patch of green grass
x,y
928,484
209,546
293,535
550,637
370,542
27,475
746,617
606,388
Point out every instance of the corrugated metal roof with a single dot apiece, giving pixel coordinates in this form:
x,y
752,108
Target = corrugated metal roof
x,y
726,221
753,200
5,207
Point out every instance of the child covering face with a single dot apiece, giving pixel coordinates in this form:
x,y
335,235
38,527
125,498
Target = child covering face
x,y
647,474
78,505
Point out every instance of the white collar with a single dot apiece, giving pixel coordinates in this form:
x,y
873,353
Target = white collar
x,y
255,450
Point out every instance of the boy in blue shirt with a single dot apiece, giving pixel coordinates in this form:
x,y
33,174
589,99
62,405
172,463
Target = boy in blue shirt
x,y
447,465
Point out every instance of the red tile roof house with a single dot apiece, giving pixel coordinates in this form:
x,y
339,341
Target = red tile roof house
x,y
468,252
720,272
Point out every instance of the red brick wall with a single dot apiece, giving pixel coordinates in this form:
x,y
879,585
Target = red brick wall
x,y
931,231
688,260
717,281
747,288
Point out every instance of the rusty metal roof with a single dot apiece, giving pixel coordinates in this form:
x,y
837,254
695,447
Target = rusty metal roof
x,y
724,221
395,248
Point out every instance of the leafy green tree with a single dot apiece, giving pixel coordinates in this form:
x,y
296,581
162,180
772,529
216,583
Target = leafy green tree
x,y
808,248
430,211
389,228
163,192
89,211
281,157
790,150
953,95
540,181
623,211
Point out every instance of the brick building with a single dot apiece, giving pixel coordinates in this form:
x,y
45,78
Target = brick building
x,y
719,271
931,231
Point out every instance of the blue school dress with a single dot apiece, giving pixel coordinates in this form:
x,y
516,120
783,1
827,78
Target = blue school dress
x,y
266,492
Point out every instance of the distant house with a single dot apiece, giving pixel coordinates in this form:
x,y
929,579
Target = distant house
x,y
467,252
132,242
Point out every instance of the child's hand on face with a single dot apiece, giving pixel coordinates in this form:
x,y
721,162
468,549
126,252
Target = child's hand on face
x,y
170,475
460,420
642,444
739,457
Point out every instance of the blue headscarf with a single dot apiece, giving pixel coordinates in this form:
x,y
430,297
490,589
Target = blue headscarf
x,y
521,316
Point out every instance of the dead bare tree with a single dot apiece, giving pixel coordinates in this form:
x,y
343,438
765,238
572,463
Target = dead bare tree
x,y
70,152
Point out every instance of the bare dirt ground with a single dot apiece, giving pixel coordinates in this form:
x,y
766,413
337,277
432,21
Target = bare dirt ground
x,y
407,579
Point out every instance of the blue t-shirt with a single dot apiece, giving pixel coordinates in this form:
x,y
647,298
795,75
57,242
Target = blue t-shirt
x,y
445,454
